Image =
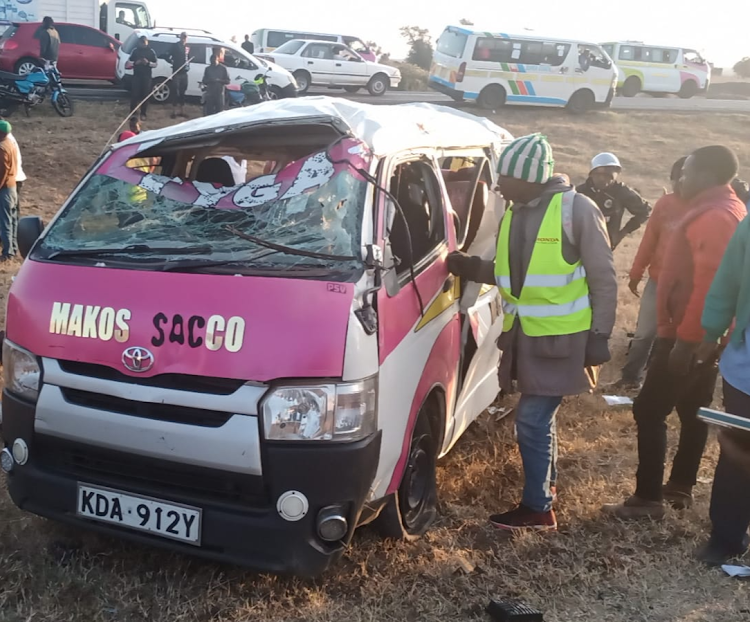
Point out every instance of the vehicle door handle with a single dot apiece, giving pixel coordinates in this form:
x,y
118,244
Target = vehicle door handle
x,y
338,64
449,283
309,62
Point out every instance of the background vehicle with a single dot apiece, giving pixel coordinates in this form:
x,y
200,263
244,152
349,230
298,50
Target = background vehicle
x,y
267,40
118,18
201,44
658,69
31,89
498,69
322,63
85,53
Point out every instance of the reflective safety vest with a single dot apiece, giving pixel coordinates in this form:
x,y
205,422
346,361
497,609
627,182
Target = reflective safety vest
x,y
554,299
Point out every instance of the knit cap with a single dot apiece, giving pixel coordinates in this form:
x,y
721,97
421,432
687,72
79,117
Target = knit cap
x,y
528,158
5,127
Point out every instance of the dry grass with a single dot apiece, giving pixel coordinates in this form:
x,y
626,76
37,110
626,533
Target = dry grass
x,y
593,570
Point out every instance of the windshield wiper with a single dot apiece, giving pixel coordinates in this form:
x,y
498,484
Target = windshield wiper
x,y
133,249
288,250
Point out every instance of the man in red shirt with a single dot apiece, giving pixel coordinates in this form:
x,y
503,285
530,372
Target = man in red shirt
x,y
674,378
666,214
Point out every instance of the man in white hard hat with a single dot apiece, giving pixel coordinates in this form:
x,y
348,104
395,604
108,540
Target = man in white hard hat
x,y
614,198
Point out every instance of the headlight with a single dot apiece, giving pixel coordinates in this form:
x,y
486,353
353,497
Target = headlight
x,y
330,412
21,371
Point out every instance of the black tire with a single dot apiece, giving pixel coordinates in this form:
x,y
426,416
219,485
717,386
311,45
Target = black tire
x,y
581,102
352,89
379,85
25,65
274,92
410,512
304,81
632,86
164,92
492,97
63,105
689,89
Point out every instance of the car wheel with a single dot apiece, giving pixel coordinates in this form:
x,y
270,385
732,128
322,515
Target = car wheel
x,y
689,89
409,513
352,89
581,102
274,92
162,92
26,65
492,97
303,81
378,85
632,86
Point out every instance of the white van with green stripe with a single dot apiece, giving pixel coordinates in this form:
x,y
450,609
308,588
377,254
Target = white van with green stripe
x,y
495,69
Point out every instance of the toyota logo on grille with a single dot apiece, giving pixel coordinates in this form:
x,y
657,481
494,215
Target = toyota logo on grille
x,y
137,359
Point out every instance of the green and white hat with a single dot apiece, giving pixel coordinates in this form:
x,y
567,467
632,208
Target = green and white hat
x,y
528,158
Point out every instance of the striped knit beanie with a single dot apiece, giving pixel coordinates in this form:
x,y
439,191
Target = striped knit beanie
x,y
528,158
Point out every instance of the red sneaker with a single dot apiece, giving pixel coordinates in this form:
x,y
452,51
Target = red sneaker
x,y
525,518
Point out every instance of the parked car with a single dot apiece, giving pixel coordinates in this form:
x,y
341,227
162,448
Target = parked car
x,y
85,53
201,45
324,63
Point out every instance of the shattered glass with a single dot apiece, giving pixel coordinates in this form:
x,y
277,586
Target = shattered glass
x,y
314,205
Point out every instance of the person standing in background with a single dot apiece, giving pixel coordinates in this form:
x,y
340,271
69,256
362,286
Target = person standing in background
x,y
215,77
247,45
727,303
8,195
20,175
676,378
667,213
49,41
614,198
178,56
142,61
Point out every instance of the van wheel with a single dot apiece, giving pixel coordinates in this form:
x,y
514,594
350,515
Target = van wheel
x,y
303,81
413,508
352,89
492,97
378,85
25,66
581,102
632,86
163,93
689,89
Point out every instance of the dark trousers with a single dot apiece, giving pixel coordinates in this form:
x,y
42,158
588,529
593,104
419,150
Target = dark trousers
x,y
19,188
180,81
730,497
662,392
140,89
214,100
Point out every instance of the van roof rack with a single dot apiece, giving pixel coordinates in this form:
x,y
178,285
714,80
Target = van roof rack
x,y
197,31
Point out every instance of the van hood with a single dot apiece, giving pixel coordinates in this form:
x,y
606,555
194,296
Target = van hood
x,y
240,327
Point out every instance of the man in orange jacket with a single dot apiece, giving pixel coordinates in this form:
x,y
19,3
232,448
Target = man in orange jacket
x,y
675,379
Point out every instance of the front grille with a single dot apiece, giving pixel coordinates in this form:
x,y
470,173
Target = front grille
x,y
148,476
146,410
179,382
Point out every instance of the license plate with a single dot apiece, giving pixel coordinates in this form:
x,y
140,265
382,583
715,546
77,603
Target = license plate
x,y
162,518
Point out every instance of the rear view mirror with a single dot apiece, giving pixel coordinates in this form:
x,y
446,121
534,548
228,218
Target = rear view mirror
x,y
29,230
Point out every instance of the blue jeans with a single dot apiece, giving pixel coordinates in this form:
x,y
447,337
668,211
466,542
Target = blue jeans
x,y
536,428
9,221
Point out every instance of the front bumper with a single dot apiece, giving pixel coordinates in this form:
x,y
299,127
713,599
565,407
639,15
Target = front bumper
x,y
240,522
446,90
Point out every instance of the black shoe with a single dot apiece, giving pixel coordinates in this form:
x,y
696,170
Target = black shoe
x,y
714,556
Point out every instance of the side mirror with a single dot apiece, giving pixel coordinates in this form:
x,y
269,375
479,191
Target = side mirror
x,y
117,36
390,272
29,230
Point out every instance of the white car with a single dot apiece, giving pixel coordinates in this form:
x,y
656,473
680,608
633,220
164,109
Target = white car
x,y
241,65
323,63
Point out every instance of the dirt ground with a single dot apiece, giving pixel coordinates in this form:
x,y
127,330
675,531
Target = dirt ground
x,y
594,569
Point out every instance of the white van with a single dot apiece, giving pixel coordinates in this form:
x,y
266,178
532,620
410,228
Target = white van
x,y
495,69
241,65
267,40
658,69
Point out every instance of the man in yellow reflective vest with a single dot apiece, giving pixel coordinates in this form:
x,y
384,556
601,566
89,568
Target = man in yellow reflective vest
x,y
556,275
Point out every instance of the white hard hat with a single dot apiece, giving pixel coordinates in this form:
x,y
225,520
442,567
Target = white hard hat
x,y
605,159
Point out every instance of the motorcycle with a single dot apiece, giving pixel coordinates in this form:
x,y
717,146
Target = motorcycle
x,y
31,89
248,93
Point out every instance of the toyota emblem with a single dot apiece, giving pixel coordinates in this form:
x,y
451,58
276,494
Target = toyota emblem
x,y
137,360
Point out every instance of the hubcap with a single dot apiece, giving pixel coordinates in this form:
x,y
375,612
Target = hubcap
x,y
25,68
162,94
302,83
379,86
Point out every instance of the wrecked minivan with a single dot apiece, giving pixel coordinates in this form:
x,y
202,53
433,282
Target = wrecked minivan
x,y
238,338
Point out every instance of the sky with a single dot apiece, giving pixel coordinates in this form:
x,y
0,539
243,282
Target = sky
x,y
718,29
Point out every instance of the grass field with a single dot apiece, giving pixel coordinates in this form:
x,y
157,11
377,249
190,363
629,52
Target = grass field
x,y
594,569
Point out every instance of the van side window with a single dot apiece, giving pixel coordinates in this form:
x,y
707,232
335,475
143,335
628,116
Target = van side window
x,y
415,186
498,50
627,52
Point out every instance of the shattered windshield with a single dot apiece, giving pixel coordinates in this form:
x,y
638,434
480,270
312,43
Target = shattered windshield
x,y
268,214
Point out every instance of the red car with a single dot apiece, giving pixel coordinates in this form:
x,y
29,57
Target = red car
x,y
85,53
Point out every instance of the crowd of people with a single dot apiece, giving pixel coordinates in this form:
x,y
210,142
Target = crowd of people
x,y
555,271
